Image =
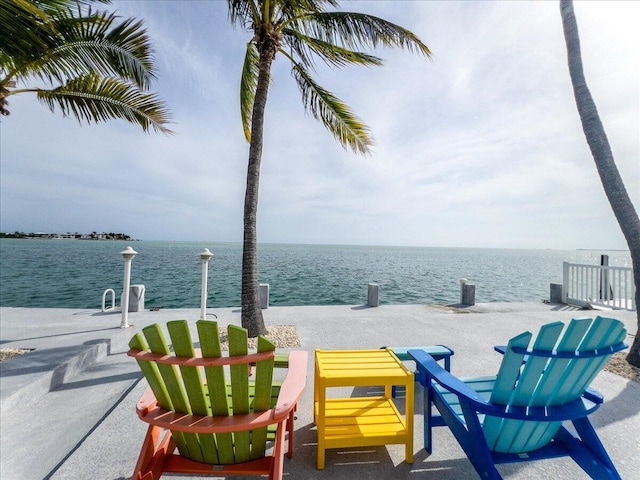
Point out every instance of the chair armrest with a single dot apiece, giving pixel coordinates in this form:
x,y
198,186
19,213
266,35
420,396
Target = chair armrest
x,y
426,365
593,395
146,402
182,422
293,385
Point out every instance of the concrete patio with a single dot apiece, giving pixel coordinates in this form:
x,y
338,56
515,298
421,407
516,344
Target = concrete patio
x,y
68,407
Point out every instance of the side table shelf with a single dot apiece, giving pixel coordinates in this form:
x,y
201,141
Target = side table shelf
x,y
357,422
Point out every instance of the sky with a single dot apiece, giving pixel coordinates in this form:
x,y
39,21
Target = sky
x,y
479,146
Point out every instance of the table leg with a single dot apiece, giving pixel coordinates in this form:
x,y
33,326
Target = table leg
x,y
320,423
315,393
409,405
321,450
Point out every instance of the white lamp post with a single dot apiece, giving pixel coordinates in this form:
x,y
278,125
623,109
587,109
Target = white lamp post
x,y
128,254
205,256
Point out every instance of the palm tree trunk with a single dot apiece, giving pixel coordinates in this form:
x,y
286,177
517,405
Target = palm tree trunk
x,y
601,151
251,313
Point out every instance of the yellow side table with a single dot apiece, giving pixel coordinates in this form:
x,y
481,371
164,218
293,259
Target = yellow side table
x,y
363,421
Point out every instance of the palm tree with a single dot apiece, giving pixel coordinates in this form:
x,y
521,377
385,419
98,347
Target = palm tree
x,y
88,63
601,151
300,30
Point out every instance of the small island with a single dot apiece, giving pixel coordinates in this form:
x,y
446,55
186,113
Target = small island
x,y
69,236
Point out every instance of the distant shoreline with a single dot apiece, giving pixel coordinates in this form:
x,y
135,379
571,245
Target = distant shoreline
x,y
69,236
603,249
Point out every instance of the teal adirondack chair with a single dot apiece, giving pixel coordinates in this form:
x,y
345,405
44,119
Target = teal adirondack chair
x,y
208,406
518,415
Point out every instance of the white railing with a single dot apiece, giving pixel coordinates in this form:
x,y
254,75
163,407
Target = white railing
x,y
598,285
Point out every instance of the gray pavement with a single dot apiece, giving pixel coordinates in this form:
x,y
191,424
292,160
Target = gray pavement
x,y
67,409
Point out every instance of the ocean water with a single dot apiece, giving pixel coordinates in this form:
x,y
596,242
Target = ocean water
x,y
75,273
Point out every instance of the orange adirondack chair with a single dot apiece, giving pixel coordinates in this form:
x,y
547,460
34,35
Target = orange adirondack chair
x,y
206,406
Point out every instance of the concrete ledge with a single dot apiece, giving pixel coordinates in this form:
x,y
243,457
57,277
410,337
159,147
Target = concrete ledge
x,y
22,392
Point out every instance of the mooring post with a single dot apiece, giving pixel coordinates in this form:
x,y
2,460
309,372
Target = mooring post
x,y
128,254
467,293
555,293
263,292
373,296
205,256
136,298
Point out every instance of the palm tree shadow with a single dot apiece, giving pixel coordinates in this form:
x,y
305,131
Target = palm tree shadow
x,y
622,406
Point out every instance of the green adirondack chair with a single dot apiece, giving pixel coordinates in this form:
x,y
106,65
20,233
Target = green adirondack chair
x,y
518,415
208,406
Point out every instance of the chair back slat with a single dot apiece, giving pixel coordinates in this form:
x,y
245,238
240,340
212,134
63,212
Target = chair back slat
x,y
262,396
209,336
510,369
239,390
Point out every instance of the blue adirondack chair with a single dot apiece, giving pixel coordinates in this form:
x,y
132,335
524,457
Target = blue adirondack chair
x,y
518,415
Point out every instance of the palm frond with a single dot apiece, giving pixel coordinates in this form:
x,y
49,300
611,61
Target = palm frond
x,y
243,12
335,115
93,43
305,47
288,9
248,85
28,27
131,51
50,6
353,30
21,22
91,98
